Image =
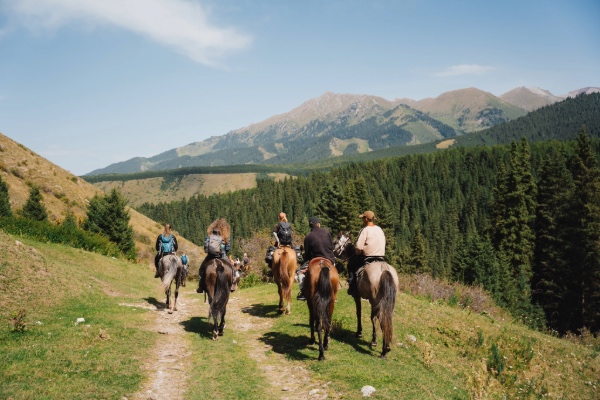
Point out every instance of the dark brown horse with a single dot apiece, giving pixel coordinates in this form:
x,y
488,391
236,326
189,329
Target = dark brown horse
x,y
170,268
320,289
378,283
284,267
219,279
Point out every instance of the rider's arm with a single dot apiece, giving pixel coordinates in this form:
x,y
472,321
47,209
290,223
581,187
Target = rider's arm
x,y
361,242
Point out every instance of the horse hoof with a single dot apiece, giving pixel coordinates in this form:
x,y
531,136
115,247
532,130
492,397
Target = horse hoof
x,y
321,357
220,333
215,336
373,344
170,311
312,341
358,335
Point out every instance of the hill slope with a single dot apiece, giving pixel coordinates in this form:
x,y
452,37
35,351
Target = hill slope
x,y
62,191
441,349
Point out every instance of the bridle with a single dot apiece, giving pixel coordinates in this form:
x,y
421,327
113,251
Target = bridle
x,y
341,245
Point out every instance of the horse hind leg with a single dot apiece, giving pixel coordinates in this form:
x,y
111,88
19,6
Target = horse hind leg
x,y
374,337
222,325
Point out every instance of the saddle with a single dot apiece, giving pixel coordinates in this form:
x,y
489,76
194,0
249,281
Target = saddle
x,y
368,261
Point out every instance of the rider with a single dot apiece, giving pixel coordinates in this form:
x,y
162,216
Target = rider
x,y
166,243
370,246
223,247
283,236
318,243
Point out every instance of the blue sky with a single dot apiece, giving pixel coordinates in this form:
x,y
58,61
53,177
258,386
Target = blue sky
x,y
86,83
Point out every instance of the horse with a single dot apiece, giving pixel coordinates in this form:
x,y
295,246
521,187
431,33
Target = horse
x,y
219,281
378,283
284,267
170,268
320,289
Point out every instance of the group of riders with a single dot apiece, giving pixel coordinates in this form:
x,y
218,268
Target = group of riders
x,y
370,247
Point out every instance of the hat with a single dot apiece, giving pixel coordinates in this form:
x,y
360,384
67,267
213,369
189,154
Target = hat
x,y
368,215
313,221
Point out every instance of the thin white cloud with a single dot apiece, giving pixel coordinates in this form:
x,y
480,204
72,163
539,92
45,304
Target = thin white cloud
x,y
464,69
182,25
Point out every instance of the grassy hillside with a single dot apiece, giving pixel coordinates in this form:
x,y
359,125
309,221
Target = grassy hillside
x,y
443,349
63,191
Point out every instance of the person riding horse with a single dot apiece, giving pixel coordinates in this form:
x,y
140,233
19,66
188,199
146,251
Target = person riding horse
x,y
283,237
166,243
370,246
318,243
216,245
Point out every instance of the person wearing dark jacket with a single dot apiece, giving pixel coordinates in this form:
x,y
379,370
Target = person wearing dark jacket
x,y
318,243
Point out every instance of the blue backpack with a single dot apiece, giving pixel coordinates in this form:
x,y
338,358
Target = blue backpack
x,y
184,259
166,244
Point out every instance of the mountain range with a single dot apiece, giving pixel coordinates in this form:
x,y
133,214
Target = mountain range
x,y
342,124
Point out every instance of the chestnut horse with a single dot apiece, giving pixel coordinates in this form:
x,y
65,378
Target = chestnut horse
x,y
170,268
320,289
219,281
284,267
378,283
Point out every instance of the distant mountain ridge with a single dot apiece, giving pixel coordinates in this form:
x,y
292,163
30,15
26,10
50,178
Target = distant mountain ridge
x,y
342,124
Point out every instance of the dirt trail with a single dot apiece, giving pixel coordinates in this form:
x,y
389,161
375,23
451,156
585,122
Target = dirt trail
x,y
172,356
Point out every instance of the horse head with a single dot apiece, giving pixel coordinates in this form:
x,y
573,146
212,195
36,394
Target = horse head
x,y
340,244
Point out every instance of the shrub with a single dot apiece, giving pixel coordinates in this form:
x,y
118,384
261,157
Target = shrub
x,y
17,321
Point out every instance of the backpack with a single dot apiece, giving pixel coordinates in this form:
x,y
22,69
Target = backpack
x,y
184,259
284,233
214,245
166,244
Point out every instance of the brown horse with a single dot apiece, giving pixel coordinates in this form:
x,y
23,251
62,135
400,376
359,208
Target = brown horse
x,y
219,280
378,283
284,267
320,289
170,268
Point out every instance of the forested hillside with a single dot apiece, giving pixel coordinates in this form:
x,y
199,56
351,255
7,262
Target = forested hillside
x,y
513,219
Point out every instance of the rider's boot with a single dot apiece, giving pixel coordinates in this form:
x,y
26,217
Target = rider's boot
x,y
199,289
352,284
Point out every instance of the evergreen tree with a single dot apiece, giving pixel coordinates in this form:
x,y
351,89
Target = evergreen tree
x,y
70,222
34,208
513,219
5,210
418,262
586,244
329,206
553,232
107,215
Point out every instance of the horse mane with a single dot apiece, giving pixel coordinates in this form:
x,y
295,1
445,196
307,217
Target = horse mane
x,y
222,226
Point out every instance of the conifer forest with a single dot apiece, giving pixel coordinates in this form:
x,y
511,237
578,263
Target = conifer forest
x,y
521,220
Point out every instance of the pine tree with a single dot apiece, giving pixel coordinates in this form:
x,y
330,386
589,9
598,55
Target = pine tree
x,y
34,208
553,235
329,206
107,215
513,219
5,210
586,244
418,262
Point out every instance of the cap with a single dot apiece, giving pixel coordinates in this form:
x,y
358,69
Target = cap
x,y
367,214
313,221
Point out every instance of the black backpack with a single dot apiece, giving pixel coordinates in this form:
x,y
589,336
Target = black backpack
x,y
284,233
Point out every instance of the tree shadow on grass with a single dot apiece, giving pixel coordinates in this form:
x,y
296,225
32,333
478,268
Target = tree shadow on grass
x,y
200,325
262,310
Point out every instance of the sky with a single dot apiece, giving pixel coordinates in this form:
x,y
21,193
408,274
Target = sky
x,y
87,83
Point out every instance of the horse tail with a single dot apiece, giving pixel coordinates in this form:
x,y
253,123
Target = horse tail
x,y
286,281
170,273
322,298
384,305
221,295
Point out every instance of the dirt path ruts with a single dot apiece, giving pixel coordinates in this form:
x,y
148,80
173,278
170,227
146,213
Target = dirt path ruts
x,y
171,357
